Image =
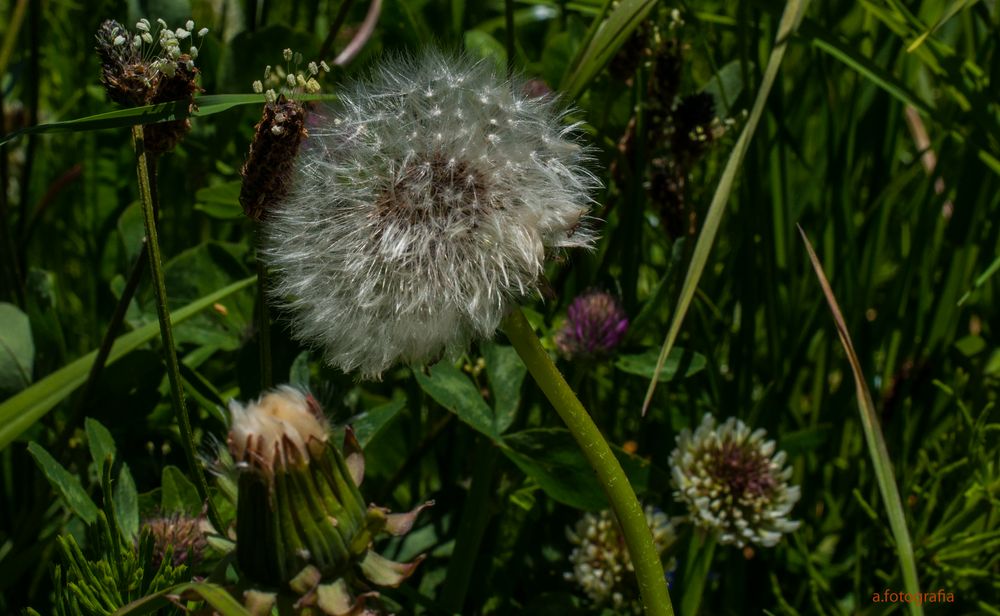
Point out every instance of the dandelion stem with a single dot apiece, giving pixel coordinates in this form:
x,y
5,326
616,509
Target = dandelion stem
x,y
163,314
631,518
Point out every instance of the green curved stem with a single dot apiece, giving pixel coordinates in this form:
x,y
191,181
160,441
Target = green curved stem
x,y
166,333
631,518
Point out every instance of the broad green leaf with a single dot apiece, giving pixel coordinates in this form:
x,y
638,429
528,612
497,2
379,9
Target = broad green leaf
x,y
18,413
551,457
970,345
299,374
679,361
453,390
221,201
99,440
65,483
179,494
479,44
366,425
17,349
506,373
216,596
126,501
726,85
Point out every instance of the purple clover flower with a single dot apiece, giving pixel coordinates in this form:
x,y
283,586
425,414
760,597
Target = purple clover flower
x,y
595,325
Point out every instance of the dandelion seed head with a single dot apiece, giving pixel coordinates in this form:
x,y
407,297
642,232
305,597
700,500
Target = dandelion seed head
x,y
733,482
407,233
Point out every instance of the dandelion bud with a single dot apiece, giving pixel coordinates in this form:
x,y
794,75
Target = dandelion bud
x,y
595,325
602,567
301,522
422,207
733,483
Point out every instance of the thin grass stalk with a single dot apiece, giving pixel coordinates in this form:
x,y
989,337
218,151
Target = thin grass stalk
x,y
166,332
875,440
626,507
790,18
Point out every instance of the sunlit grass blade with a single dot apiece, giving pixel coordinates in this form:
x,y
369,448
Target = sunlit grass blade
x,y
216,596
607,38
18,413
875,440
150,114
789,21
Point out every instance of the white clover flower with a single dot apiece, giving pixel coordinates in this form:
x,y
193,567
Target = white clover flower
x,y
732,482
421,208
601,563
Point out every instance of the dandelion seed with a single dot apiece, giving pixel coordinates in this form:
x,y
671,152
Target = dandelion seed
x,y
393,248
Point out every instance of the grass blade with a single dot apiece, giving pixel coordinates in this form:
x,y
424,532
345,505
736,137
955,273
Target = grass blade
x,y
151,114
18,413
875,440
789,21
606,39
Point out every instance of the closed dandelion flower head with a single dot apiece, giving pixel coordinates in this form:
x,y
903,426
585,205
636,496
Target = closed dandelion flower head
x,y
422,205
602,567
733,482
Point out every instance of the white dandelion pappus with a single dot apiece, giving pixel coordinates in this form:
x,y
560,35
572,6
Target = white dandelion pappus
x,y
421,207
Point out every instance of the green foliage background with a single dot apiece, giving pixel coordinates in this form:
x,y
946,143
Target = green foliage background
x,y
910,246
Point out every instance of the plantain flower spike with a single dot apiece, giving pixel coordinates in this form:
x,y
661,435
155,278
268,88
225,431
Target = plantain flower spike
x,y
301,523
152,64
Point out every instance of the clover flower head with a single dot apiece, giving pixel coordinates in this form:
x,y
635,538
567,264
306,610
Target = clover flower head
x,y
595,325
422,206
180,536
602,567
733,482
